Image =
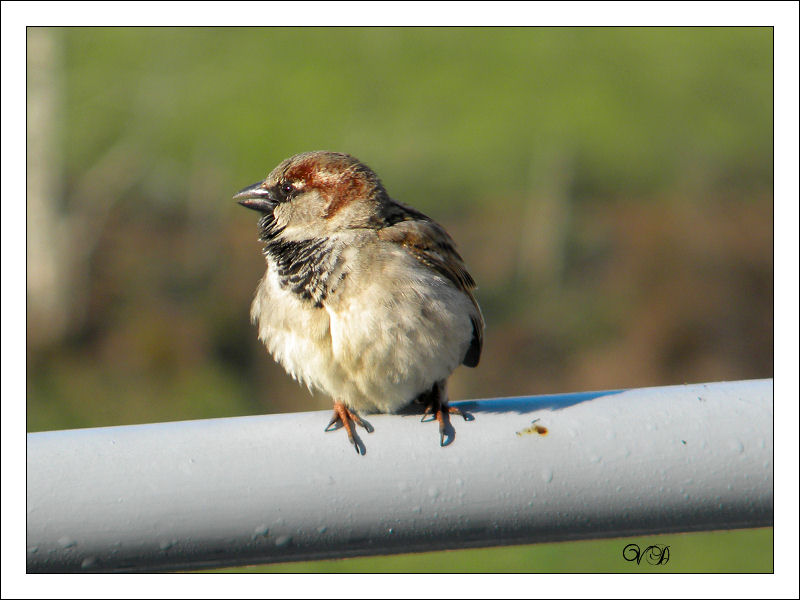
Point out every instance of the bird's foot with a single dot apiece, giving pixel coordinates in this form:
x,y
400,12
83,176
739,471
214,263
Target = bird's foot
x,y
440,410
345,417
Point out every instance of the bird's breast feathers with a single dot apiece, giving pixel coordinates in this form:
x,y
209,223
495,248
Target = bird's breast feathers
x,y
379,333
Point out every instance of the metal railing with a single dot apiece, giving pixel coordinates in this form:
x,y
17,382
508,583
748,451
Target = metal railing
x,y
275,488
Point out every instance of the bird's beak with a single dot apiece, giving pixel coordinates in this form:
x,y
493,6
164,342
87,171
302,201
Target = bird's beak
x,y
257,197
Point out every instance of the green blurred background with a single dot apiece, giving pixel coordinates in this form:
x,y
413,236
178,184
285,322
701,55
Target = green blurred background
x,y
611,190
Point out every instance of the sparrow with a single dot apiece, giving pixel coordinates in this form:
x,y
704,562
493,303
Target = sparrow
x,y
364,298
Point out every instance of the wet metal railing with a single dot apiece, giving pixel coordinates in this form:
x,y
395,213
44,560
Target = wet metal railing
x,y
275,488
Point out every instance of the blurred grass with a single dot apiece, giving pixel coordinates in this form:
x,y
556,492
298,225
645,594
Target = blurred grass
x,y
738,551
609,188
447,110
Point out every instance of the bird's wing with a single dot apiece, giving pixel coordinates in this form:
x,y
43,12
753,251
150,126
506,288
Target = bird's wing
x,y
430,244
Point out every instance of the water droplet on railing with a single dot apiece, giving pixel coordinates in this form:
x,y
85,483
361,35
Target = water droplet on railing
x,y
260,531
736,446
283,541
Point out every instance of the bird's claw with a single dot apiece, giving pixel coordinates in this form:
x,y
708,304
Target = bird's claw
x,y
439,410
345,417
336,422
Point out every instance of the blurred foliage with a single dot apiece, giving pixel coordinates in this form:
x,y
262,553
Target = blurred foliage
x,y
609,188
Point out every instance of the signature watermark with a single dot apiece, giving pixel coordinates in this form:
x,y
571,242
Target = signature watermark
x,y
654,555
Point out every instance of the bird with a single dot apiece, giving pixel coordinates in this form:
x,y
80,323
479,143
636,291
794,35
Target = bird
x,y
364,298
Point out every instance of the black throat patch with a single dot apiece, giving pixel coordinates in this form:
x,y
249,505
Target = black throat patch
x,y
305,267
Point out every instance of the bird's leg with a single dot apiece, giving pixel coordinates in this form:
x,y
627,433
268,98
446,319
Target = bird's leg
x,y
345,417
435,402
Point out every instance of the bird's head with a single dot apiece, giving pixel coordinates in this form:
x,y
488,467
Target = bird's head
x,y
316,194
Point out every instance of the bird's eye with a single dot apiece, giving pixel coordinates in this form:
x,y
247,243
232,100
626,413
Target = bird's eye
x,y
287,188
